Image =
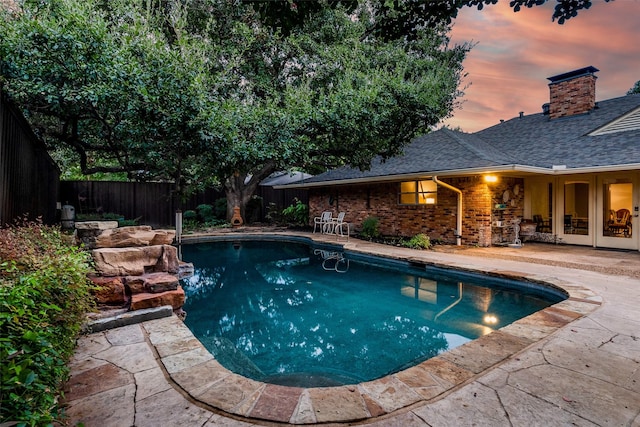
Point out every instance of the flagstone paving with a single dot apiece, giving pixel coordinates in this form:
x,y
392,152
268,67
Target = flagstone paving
x,y
575,363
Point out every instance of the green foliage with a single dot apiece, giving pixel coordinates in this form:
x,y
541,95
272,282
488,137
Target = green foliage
x,y
370,228
206,213
296,214
203,217
274,214
108,216
349,99
44,294
634,89
419,241
400,19
114,84
189,215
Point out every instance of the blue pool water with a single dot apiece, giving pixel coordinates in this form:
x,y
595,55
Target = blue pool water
x,y
292,314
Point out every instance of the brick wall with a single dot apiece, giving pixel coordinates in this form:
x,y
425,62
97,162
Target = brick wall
x,y
570,97
437,221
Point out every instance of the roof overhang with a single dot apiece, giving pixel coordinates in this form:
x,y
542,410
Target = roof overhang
x,y
513,169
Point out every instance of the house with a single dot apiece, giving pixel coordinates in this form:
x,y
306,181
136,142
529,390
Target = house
x,y
573,170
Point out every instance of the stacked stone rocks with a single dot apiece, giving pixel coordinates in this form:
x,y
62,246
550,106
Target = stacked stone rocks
x,y
136,266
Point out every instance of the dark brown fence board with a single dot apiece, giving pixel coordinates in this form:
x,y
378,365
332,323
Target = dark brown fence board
x,y
29,179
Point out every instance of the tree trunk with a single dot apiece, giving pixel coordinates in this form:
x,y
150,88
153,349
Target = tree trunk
x,y
239,189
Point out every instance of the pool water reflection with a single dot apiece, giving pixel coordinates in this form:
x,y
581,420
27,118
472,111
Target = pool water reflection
x,y
290,314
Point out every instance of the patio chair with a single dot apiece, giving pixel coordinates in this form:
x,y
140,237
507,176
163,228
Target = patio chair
x,y
338,225
541,225
322,221
568,224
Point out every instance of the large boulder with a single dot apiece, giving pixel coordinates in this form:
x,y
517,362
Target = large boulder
x,y
173,298
109,290
136,261
151,283
87,231
96,225
140,235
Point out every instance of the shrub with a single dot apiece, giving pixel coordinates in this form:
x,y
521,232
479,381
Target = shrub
x,y
370,228
206,213
419,241
296,214
44,294
189,216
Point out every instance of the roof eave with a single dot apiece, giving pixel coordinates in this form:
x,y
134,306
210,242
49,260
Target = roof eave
x,y
413,175
534,170
596,169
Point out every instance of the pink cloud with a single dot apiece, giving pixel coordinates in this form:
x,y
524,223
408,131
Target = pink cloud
x,y
516,52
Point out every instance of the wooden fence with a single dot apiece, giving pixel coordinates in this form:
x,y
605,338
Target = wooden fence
x,y
152,203
149,202
29,178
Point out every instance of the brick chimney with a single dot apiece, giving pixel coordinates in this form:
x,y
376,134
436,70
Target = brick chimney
x,y
572,93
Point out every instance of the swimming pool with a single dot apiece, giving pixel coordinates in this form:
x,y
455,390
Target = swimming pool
x,y
310,316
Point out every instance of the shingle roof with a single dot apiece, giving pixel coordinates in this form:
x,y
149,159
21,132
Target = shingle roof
x,y
530,141
535,140
437,151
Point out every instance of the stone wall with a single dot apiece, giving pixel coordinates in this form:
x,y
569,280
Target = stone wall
x,y
437,221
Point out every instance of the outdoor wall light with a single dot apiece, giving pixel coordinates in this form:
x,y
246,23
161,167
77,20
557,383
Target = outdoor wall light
x,y
490,178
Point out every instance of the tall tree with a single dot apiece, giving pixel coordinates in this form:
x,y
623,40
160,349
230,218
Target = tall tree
x,y
323,96
635,88
200,91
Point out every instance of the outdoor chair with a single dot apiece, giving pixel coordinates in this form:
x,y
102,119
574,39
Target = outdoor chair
x,y
568,224
338,225
541,224
323,220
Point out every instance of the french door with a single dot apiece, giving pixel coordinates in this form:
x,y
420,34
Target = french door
x,y
575,204
617,211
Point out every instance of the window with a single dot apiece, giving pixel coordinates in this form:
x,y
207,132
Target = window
x,y
418,193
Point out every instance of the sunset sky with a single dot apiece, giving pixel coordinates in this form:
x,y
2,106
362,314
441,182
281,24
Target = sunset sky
x,y
516,52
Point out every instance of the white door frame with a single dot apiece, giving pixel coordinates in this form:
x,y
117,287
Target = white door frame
x,y
618,242
575,239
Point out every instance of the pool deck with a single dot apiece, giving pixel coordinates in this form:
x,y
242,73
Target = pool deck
x,y
575,363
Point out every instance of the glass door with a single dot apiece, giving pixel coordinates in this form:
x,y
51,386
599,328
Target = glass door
x,y
617,210
575,222
539,205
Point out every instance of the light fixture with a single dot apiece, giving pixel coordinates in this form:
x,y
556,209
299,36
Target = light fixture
x,y
431,200
490,178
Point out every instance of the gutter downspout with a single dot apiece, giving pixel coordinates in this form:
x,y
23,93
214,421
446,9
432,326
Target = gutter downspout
x,y
459,216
